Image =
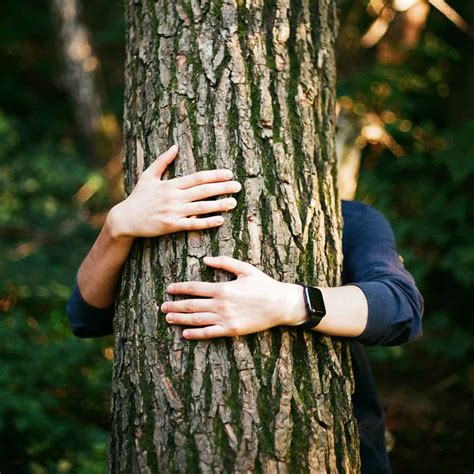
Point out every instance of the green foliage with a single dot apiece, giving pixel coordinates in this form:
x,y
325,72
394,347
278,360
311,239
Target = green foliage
x,y
428,197
427,191
54,388
53,394
421,176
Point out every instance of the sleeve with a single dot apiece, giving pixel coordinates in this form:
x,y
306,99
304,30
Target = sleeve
x,y
87,320
395,305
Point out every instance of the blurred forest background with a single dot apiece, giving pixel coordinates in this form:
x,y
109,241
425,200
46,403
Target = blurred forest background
x,y
406,131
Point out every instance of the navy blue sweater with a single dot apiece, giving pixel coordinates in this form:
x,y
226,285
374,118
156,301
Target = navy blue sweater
x,y
395,307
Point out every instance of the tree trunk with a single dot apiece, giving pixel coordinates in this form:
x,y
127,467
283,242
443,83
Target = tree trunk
x,y
80,64
348,155
248,86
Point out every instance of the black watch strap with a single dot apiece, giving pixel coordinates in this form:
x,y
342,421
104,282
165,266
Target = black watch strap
x,y
316,309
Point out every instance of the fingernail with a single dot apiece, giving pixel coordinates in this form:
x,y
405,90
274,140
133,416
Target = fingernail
x,y
163,307
185,333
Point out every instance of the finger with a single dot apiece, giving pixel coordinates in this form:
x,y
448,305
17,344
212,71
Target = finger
x,y
202,177
192,319
193,223
206,207
204,191
195,288
187,306
231,265
159,166
208,332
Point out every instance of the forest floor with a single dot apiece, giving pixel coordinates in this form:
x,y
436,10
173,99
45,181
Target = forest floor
x,y
429,413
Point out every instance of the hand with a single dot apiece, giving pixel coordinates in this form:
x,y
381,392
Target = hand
x,y
158,207
251,303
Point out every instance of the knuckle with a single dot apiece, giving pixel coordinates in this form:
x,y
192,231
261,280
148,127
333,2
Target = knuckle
x,y
200,207
212,222
224,292
165,211
234,328
206,189
200,177
196,319
221,205
193,224
167,220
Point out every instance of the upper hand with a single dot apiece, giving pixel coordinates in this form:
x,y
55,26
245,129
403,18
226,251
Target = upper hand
x,y
157,207
251,303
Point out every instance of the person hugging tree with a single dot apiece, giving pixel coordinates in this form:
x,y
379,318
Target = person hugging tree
x,y
378,302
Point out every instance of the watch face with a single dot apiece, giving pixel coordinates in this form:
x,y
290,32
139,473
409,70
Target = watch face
x,y
315,301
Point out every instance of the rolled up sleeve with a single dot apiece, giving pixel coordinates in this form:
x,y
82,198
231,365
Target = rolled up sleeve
x,y
87,320
372,263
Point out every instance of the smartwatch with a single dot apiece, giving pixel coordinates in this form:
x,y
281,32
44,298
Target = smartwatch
x,y
314,301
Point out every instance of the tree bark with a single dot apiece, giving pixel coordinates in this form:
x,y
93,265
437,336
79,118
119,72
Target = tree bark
x,y
80,64
248,86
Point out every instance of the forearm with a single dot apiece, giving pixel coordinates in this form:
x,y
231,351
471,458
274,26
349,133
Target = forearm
x,y
99,273
346,310
255,302
155,207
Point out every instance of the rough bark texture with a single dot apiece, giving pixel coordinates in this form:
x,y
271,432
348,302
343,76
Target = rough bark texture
x,y
248,86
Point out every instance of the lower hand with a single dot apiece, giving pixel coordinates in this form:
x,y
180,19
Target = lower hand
x,y
158,207
253,302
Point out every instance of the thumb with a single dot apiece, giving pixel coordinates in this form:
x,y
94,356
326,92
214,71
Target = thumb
x,y
158,167
231,265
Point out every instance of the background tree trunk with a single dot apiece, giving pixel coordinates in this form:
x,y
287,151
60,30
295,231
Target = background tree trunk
x,y
80,63
248,86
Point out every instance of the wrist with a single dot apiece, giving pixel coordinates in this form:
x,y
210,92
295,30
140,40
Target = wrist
x,y
115,224
293,304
